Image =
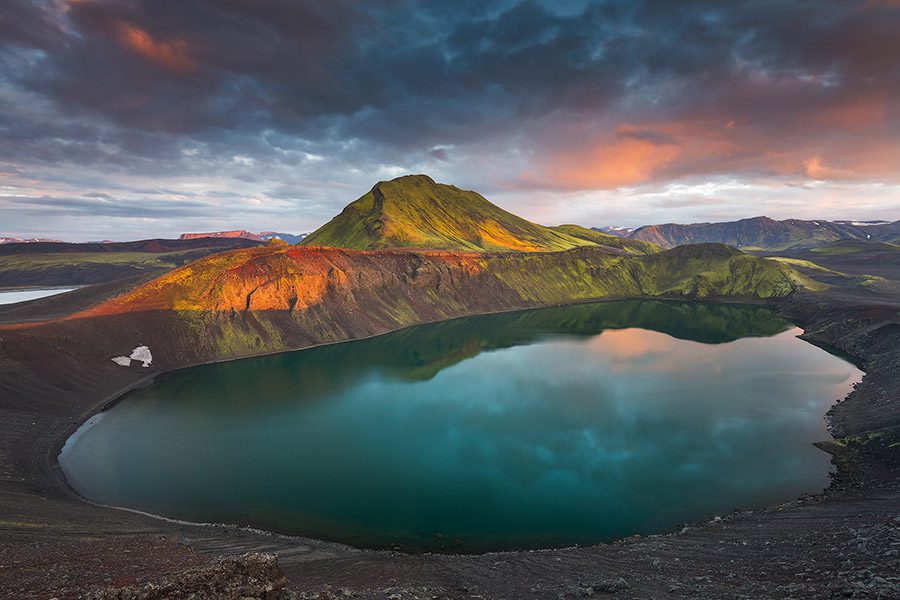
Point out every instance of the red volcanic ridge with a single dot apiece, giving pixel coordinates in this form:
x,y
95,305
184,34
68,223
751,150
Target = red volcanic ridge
x,y
243,234
238,233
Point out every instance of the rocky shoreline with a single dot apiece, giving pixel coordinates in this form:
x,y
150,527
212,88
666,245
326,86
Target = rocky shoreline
x,y
842,543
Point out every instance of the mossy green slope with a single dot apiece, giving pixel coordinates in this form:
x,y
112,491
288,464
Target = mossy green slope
x,y
280,297
855,247
415,212
697,271
606,240
291,278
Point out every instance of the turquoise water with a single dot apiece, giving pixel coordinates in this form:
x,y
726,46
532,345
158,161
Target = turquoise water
x,y
551,427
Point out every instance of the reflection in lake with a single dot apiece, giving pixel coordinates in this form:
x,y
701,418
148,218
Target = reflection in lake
x,y
547,427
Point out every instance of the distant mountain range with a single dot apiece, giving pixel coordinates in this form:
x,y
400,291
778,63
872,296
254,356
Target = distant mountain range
x,y
415,212
762,233
264,236
238,233
16,240
154,246
617,231
40,263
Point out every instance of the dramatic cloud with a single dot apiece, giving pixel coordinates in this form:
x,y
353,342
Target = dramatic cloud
x,y
144,117
171,55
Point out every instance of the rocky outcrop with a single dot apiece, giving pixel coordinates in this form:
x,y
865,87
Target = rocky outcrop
x,y
247,577
238,233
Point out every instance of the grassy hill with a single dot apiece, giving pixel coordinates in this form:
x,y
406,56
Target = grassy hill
x,y
415,212
846,257
608,240
857,247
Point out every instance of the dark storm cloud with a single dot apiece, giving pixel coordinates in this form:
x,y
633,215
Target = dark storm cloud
x,y
29,24
379,69
576,95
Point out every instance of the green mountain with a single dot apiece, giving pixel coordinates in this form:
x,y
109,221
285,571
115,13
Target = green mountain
x,y
415,212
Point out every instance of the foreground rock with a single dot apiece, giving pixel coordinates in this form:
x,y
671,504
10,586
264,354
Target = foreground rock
x,y
250,576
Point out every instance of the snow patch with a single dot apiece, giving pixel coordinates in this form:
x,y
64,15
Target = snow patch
x,y
141,354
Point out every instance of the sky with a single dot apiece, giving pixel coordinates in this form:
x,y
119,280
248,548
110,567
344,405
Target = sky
x,y
125,119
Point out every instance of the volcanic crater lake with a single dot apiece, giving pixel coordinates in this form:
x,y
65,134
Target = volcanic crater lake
x,y
549,427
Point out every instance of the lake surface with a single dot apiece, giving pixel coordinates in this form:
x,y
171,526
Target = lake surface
x,y
13,296
550,427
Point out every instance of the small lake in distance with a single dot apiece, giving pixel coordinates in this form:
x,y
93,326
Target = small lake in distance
x,y
13,296
550,427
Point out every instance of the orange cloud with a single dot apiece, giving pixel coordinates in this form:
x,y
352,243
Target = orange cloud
x,y
639,153
855,112
815,167
171,55
611,164
858,145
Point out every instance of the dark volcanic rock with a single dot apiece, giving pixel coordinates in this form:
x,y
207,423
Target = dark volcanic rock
x,y
250,576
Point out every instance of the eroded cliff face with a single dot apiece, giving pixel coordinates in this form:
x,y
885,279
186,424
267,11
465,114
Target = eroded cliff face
x,y
293,278
297,278
281,297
